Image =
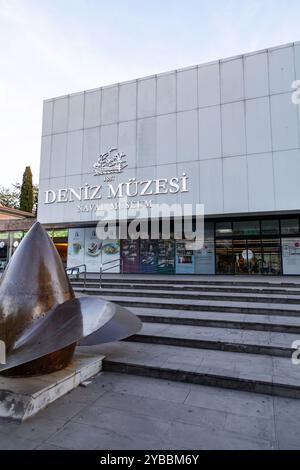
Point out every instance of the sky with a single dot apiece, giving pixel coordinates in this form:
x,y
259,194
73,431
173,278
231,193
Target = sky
x,y
51,48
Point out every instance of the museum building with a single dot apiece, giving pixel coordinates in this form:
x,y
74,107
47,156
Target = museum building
x,y
224,134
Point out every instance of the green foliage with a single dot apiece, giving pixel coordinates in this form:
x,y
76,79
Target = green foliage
x,y
10,197
26,194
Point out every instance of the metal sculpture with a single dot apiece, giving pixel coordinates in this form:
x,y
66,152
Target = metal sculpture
x,y
41,321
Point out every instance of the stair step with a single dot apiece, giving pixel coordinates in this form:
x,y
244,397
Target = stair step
x,y
233,370
188,287
233,297
219,320
195,280
200,305
253,342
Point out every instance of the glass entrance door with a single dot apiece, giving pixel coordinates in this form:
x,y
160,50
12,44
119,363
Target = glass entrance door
x,y
271,256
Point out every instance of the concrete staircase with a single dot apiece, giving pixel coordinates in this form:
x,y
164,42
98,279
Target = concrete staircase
x,y
235,333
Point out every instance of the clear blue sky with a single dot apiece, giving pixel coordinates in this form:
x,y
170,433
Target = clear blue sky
x,y
54,47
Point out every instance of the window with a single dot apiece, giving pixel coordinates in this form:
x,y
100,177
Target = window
x,y
270,227
248,227
289,226
223,229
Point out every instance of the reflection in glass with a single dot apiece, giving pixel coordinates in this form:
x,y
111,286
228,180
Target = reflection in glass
x,y
289,226
225,259
271,256
246,227
223,229
270,227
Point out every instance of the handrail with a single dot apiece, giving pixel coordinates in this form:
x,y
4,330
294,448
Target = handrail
x,y
78,272
116,260
111,261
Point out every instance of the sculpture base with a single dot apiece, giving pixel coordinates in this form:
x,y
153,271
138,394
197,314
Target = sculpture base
x,y
53,362
21,398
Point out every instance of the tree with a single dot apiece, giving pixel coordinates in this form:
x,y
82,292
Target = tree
x,y
26,194
10,197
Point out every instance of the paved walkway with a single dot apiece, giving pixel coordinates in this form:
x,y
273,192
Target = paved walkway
x,y
126,412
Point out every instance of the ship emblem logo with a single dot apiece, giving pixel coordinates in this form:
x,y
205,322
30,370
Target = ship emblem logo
x,y
111,162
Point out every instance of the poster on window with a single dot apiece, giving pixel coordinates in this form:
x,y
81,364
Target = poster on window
x,y
130,256
166,257
75,247
185,258
92,250
111,256
291,255
205,259
148,256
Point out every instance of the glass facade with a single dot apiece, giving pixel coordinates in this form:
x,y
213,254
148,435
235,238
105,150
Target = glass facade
x,y
9,242
265,246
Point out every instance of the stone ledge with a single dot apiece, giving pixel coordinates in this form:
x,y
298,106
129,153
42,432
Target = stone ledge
x,y
21,398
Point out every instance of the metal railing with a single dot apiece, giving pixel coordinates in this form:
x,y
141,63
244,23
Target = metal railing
x,y
75,270
103,269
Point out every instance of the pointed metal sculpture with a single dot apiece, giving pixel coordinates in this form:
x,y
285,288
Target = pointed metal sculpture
x,y
41,321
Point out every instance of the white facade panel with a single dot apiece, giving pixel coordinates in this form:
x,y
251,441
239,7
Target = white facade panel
x,y
60,115
166,93
211,186
282,69
235,184
209,85
127,141
260,182
109,105
74,153
233,129
76,107
191,169
258,125
256,75
187,95
146,97
187,136
287,170
45,157
210,139
166,139
284,117
91,148
58,155
108,137
47,118
127,101
69,210
297,60
232,80
146,142
92,108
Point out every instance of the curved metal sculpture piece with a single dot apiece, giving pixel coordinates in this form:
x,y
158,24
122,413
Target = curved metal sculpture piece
x,y
41,321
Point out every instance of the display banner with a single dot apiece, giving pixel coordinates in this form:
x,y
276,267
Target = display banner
x,y
130,256
92,250
205,259
291,255
148,256
75,247
166,257
185,258
111,256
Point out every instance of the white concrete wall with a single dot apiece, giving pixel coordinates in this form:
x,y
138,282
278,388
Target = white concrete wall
x,y
231,125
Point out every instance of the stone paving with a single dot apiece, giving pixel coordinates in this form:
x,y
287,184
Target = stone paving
x,y
126,412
